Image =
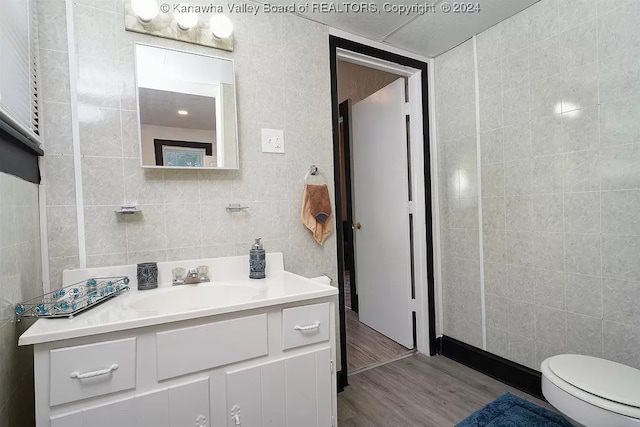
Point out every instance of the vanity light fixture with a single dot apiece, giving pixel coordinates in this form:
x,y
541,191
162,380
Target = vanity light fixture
x,y
145,10
221,26
186,20
183,24
183,112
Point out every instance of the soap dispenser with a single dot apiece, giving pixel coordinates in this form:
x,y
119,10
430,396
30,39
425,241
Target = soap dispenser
x,y
257,261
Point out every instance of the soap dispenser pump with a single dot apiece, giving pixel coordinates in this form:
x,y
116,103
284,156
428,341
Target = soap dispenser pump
x,y
257,261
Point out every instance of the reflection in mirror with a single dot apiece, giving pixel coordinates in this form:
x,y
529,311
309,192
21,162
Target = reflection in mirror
x,y
187,109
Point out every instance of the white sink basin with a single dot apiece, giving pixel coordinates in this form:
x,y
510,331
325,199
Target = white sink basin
x,y
193,297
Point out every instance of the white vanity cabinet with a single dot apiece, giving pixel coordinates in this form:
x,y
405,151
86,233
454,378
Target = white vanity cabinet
x,y
263,367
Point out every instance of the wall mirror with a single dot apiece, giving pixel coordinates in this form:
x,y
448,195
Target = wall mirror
x,y
186,110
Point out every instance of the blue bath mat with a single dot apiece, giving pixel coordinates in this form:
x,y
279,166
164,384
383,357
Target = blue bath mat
x,y
512,411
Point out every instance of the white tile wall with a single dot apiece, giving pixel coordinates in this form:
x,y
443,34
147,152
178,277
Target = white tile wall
x,y
560,150
57,165
455,100
20,279
282,76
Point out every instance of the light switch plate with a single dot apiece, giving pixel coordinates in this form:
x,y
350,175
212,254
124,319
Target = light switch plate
x,y
272,141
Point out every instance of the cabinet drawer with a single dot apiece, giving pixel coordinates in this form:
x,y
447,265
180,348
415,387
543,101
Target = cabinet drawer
x,y
92,370
305,325
187,350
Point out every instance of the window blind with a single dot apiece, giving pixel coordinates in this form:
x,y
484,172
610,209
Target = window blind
x,y
19,107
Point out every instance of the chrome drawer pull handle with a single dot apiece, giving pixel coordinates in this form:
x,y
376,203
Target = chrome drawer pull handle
x,y
78,375
307,328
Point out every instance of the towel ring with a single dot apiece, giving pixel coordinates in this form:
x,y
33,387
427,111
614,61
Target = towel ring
x,y
315,171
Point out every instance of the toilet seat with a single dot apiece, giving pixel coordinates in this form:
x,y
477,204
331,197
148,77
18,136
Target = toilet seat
x,y
602,383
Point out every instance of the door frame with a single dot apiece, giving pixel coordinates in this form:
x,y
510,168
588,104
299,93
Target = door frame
x,y
345,112
416,72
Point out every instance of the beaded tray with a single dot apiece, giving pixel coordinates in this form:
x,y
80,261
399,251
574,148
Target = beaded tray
x,y
73,299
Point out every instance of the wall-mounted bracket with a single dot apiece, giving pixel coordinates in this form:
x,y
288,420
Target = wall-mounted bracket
x,y
128,210
236,207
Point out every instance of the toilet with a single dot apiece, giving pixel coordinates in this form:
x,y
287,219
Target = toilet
x,y
590,391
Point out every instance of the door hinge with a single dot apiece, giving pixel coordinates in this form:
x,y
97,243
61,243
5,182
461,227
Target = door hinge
x,y
331,366
410,207
407,108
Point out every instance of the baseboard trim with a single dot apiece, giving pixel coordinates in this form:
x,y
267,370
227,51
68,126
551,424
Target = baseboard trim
x,y
504,370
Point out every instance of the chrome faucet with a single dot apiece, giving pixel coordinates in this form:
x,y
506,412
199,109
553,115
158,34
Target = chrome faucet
x,y
193,276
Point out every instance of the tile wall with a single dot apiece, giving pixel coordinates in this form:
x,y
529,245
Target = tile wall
x,y
57,166
460,252
560,158
283,82
20,280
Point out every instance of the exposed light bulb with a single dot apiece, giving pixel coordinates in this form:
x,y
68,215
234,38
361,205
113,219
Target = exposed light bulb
x,y
146,10
183,112
221,26
186,20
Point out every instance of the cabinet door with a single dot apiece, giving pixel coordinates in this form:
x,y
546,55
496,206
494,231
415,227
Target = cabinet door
x,y
308,389
292,392
244,397
120,413
189,404
273,395
178,406
152,409
73,419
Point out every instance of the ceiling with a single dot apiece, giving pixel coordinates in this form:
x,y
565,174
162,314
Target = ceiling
x,y
160,108
429,34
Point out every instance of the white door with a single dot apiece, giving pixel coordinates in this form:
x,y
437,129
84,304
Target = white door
x,y
380,210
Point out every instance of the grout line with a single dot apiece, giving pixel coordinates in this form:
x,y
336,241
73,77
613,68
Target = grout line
x,y
563,155
126,221
75,126
600,190
98,9
479,186
564,243
164,208
44,233
43,217
57,51
122,162
508,266
57,102
435,196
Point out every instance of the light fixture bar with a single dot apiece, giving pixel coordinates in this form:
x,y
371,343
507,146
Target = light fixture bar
x,y
145,17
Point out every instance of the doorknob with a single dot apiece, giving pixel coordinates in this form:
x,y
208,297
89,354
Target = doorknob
x,y
356,226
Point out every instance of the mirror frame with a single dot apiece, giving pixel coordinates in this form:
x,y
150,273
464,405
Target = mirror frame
x,y
218,104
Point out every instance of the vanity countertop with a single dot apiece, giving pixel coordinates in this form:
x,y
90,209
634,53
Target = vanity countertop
x,y
136,309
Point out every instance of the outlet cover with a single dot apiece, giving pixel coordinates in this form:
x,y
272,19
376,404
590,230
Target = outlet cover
x,y
272,141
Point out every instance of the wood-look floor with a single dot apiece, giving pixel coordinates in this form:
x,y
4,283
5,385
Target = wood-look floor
x,y
418,391
367,347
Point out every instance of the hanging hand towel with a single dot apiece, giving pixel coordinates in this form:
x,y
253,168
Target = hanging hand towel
x,y
316,210
319,202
